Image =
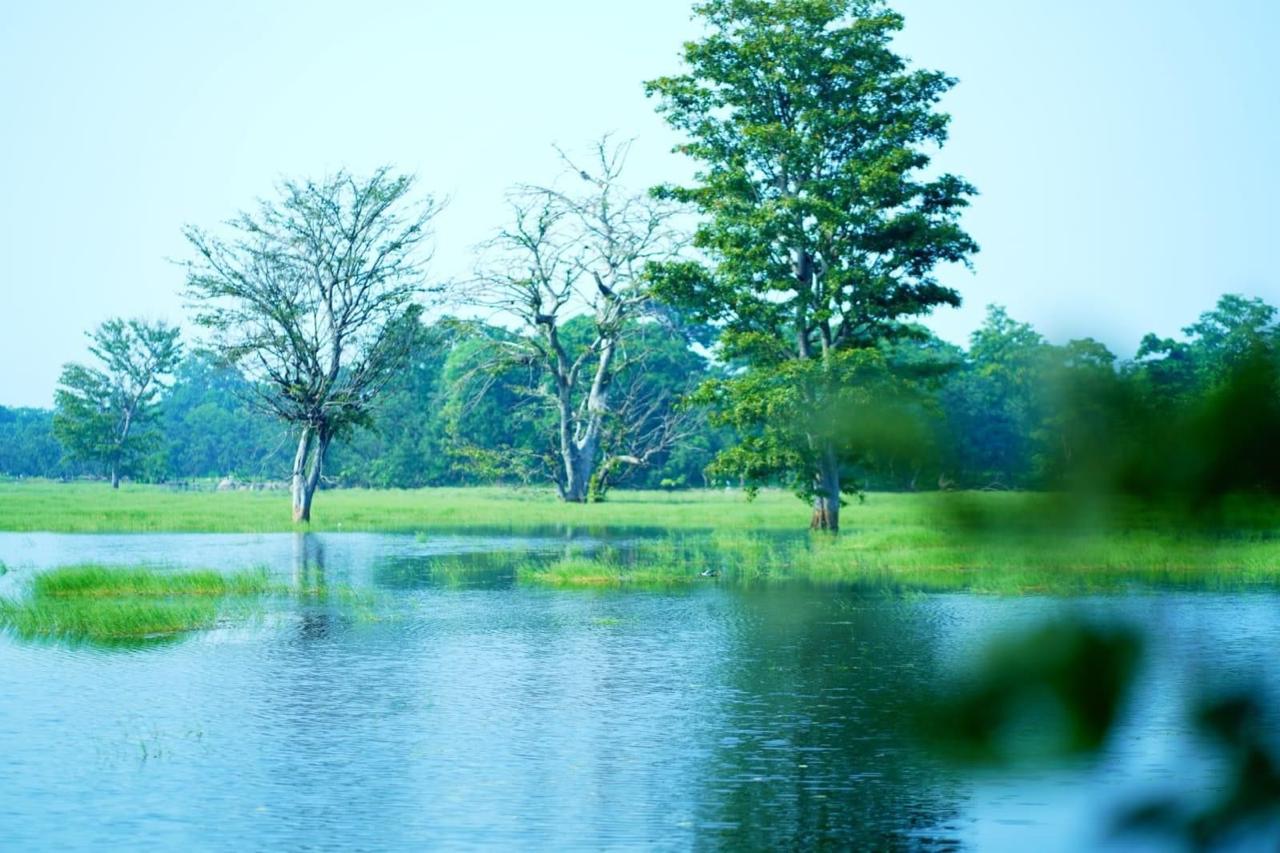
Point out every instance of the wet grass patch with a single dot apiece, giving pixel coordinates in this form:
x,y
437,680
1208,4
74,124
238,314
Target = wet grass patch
x,y
903,559
605,571
94,581
112,604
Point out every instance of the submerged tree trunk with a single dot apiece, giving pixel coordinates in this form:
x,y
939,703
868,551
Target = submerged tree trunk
x,y
826,498
307,464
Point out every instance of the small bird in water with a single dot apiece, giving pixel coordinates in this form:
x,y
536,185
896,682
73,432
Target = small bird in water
x,y
709,573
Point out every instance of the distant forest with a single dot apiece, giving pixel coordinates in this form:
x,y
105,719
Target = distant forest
x,y
1012,411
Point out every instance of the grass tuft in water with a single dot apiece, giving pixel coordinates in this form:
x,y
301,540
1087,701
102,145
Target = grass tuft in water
x,y
649,565
90,581
113,604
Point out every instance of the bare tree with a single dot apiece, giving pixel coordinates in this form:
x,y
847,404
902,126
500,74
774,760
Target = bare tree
x,y
314,297
645,421
571,254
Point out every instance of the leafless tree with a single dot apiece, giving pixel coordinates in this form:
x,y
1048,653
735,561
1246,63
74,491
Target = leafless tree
x,y
582,253
315,299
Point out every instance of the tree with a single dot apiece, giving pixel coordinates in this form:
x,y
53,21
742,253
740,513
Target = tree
x,y
810,133
211,427
405,449
494,428
1210,408
1235,333
102,412
28,447
997,403
584,255
314,298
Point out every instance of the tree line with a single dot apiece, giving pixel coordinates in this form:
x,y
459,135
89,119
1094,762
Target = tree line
x,y
758,325
1009,411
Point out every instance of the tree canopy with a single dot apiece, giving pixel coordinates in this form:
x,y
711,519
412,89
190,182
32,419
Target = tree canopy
x,y
314,298
103,411
812,139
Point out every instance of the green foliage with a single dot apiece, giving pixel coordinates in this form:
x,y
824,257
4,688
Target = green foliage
x,y
102,413
500,430
1190,421
405,446
212,429
865,411
495,429
811,136
810,133
1187,422
28,447
997,403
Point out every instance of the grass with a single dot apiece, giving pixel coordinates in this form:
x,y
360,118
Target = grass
x,y
987,542
939,555
106,604
604,572
94,581
95,508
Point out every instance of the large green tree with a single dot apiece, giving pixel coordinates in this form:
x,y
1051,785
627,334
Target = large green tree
x,y
823,230
102,411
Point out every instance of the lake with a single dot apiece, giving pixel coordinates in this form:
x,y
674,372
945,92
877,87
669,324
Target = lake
x,y
455,708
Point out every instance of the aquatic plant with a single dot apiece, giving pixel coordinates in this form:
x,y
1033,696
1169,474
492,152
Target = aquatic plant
x,y
604,572
109,604
908,558
90,581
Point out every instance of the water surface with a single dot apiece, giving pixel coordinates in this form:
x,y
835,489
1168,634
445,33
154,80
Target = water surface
x,y
466,710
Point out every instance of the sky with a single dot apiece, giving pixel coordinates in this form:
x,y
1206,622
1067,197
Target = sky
x,y
1127,151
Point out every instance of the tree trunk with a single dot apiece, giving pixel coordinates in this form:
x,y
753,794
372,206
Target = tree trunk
x,y
298,482
826,498
578,455
307,465
578,452
115,476
578,470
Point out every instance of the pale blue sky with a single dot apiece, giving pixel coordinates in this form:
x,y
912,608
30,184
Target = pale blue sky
x,y
1128,153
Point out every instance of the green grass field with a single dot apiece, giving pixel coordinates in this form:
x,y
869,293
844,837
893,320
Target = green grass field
x,y
994,542
95,508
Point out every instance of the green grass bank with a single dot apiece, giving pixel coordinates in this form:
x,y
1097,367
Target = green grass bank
x,y
992,542
95,508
